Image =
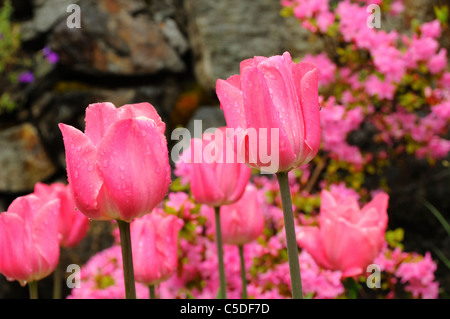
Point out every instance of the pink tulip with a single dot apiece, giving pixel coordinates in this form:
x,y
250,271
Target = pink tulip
x,y
154,240
242,221
72,224
274,93
348,238
29,242
214,181
119,168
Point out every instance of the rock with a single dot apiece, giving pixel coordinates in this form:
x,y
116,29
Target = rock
x,y
223,33
23,159
46,14
117,37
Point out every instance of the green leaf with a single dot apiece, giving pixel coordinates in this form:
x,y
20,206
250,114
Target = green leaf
x,y
351,287
441,13
438,215
286,12
309,296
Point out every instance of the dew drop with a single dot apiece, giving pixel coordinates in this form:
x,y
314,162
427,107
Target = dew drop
x,y
122,168
90,168
78,148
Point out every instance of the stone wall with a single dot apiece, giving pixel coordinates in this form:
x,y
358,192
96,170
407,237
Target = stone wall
x,y
166,52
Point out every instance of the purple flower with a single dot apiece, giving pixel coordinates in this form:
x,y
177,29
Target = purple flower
x,y
50,55
26,77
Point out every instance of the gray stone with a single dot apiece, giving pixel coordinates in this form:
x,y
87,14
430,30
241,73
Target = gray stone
x,y
46,14
23,159
116,37
223,33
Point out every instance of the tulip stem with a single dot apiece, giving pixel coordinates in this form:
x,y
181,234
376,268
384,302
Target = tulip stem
x,y
223,287
33,289
151,288
244,279
57,282
291,241
127,259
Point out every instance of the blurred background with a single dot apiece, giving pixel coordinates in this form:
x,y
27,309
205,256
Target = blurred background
x,y
169,53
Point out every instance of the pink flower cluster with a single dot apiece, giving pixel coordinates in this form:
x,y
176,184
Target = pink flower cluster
x,y
388,74
412,270
337,122
102,278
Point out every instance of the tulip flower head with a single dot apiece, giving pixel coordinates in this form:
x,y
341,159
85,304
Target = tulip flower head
x,y
243,221
29,241
72,224
273,95
119,167
214,180
348,238
154,240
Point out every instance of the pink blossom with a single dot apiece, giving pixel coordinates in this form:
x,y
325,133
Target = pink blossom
x,y
326,68
397,7
102,278
438,62
420,49
376,87
418,275
389,61
431,29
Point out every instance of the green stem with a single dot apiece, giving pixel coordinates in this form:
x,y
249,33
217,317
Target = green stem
x,y
127,259
244,279
291,241
57,282
223,285
151,288
33,289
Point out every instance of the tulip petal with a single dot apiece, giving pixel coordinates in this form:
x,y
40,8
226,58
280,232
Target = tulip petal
x,y
306,78
133,161
346,245
203,191
308,237
375,212
99,117
13,263
45,238
84,180
327,201
231,102
25,206
278,74
261,114
132,111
